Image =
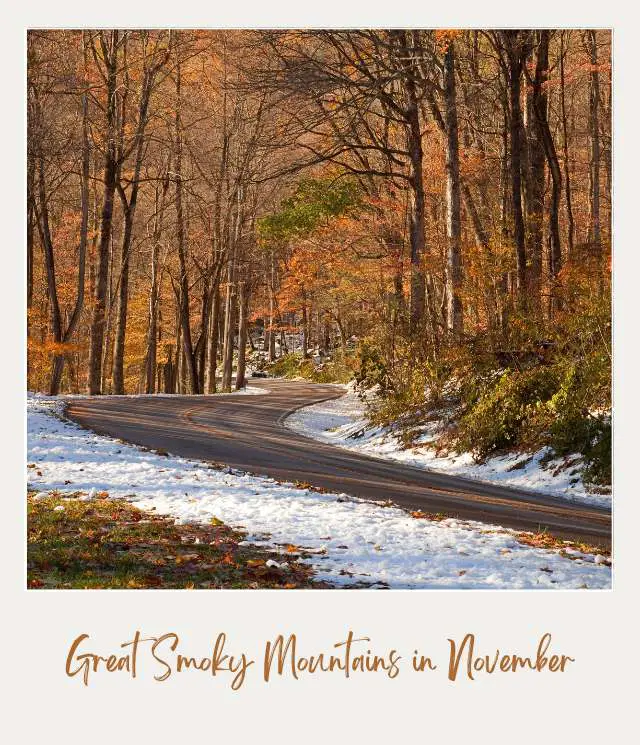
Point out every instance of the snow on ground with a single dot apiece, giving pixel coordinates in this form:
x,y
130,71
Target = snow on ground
x,y
342,422
351,542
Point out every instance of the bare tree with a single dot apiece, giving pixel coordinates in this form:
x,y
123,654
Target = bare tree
x,y
454,248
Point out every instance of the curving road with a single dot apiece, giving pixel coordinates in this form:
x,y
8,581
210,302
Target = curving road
x,y
247,432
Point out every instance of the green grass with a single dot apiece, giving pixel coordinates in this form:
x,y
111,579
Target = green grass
x,y
337,370
108,543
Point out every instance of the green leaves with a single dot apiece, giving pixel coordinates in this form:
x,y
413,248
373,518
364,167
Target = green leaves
x,y
313,202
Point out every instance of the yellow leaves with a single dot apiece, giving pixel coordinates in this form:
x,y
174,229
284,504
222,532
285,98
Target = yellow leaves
x,y
472,162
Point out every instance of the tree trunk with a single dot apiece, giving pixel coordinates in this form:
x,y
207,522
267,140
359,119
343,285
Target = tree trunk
x,y
417,198
191,372
305,327
229,325
52,290
515,64
452,166
129,211
152,327
110,53
107,348
502,289
117,368
243,304
536,99
469,202
30,223
200,349
211,362
565,147
326,333
270,340
168,374
61,335
594,237
542,121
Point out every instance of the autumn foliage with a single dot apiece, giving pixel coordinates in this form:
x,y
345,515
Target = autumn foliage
x,y
429,210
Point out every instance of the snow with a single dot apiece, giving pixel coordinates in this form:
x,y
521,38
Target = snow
x,y
342,422
349,542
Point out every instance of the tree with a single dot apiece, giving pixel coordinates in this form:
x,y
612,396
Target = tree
x,y
594,237
454,248
105,47
512,44
155,55
432,195
40,209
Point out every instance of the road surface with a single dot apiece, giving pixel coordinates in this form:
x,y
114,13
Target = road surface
x,y
247,432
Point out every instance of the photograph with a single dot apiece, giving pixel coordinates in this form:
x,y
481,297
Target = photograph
x,y
318,309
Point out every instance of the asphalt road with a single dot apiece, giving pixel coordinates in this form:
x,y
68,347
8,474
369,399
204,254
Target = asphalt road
x,y
247,432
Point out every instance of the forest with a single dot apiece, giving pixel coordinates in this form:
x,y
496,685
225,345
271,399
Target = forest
x,y
424,212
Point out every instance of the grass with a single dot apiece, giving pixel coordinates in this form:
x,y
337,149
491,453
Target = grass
x,y
336,370
109,543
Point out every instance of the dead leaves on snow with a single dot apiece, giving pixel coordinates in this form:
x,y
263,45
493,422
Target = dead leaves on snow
x,y
112,544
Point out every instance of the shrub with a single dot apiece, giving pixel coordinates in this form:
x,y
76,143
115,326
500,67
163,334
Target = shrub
x,y
339,370
371,368
598,453
500,416
285,367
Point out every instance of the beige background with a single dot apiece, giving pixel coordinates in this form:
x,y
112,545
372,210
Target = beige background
x,y
594,702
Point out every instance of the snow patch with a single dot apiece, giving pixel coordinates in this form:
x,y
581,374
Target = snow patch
x,y
348,541
342,422
248,390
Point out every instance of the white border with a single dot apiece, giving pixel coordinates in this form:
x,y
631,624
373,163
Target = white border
x,y
590,704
